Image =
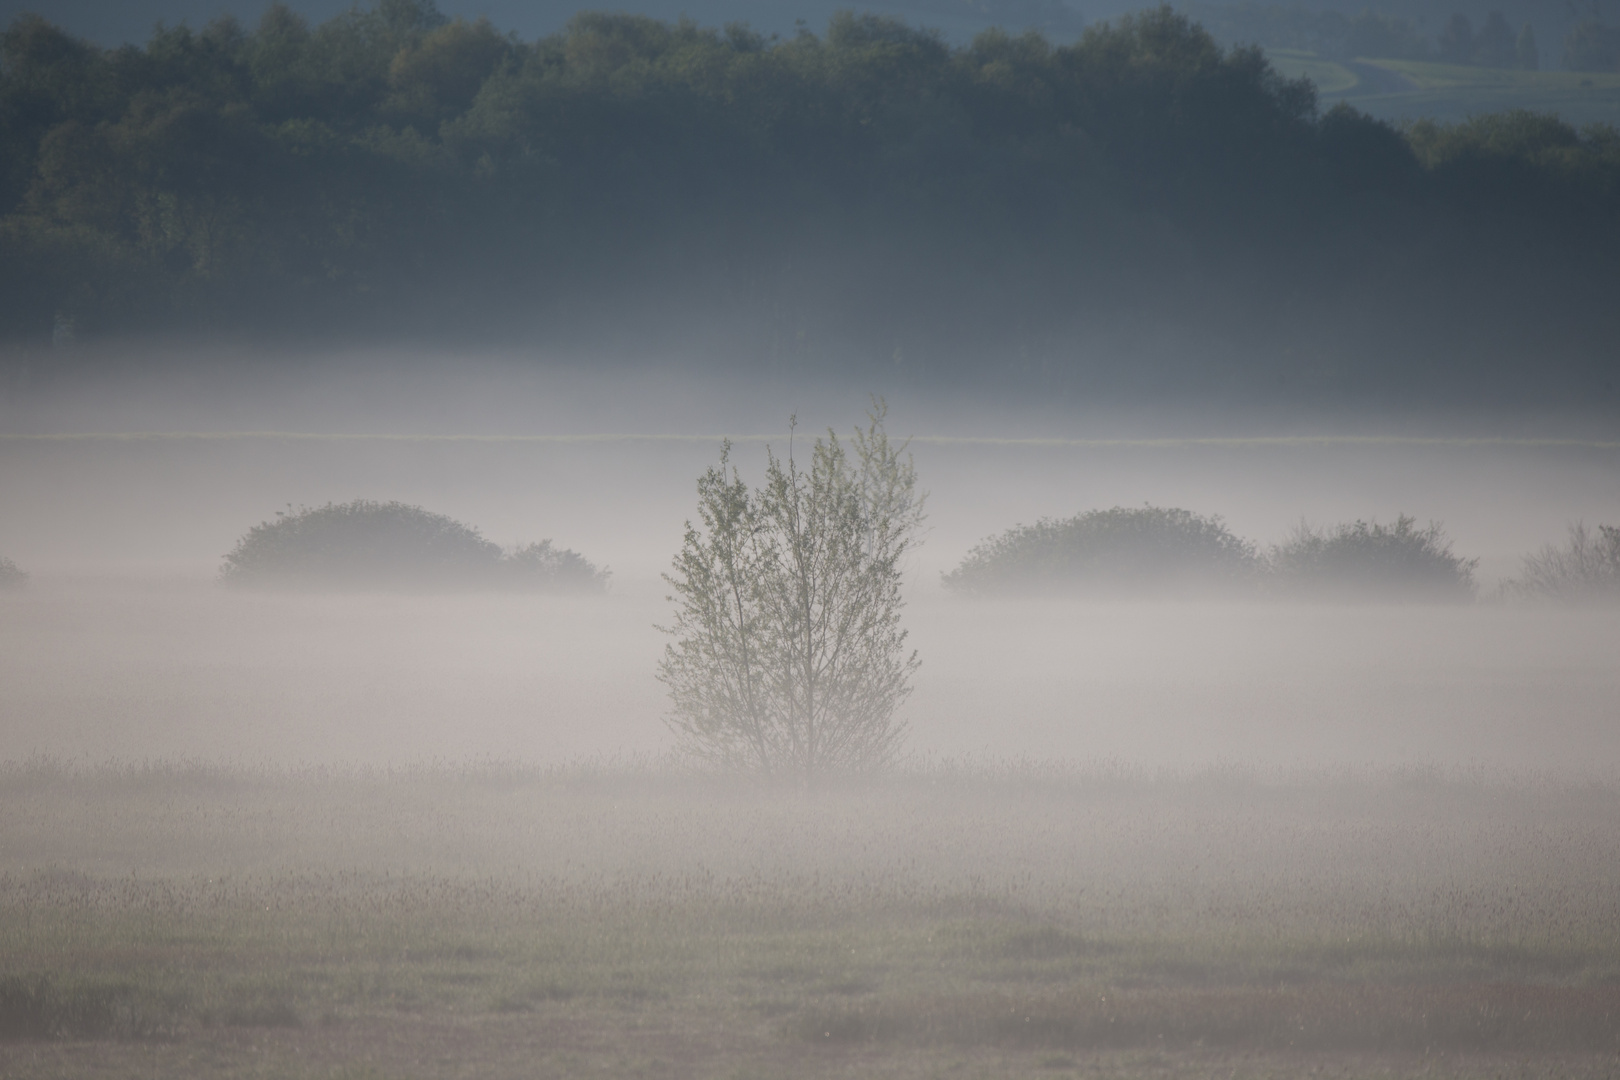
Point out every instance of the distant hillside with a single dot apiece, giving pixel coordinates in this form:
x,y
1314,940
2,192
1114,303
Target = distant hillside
x,y
1398,90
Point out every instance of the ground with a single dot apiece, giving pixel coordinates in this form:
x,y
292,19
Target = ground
x,y
191,921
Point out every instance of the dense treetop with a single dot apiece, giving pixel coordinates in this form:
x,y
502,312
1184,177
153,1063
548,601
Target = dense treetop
x,y
869,194
366,544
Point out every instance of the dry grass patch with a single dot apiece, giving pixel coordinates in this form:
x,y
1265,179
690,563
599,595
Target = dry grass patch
x,y
427,924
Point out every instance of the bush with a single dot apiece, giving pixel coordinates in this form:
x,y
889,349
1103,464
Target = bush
x,y
559,569
1150,550
391,545
1366,560
11,577
1585,570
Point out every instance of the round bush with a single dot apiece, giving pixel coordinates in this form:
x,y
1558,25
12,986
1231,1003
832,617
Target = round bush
x,y
11,577
366,544
1135,552
1366,560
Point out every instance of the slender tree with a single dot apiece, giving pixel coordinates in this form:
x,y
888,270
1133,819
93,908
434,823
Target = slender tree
x,y
788,654
1525,50
1496,46
1457,40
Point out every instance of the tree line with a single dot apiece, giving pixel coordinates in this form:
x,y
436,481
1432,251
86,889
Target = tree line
x,y
869,195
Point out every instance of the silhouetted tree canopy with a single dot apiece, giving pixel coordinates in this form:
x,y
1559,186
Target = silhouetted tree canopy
x,y
1169,553
11,575
1366,560
391,545
866,196
1125,551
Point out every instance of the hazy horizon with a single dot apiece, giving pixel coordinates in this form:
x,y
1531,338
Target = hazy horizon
x,y
124,647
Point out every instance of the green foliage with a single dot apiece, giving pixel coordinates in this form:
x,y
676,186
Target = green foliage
x,y
788,656
365,544
1586,569
1532,154
437,78
1123,551
1518,139
1364,560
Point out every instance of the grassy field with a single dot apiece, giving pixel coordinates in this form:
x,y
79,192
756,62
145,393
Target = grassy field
x,y
1331,78
1413,90
173,920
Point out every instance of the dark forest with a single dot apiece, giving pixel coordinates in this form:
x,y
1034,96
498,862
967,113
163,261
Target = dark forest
x,y
870,197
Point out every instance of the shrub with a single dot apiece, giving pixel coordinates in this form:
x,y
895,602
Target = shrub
x,y
392,545
1151,550
557,569
1366,560
11,577
1585,569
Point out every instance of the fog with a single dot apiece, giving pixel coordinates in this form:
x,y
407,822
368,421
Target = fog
x,y
123,646
466,315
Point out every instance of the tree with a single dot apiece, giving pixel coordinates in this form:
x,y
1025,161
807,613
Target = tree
x,y
1525,50
1456,41
788,655
437,79
1592,46
1495,46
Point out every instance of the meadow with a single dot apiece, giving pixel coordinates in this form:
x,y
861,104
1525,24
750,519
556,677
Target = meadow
x,y
1400,90
392,836
632,919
